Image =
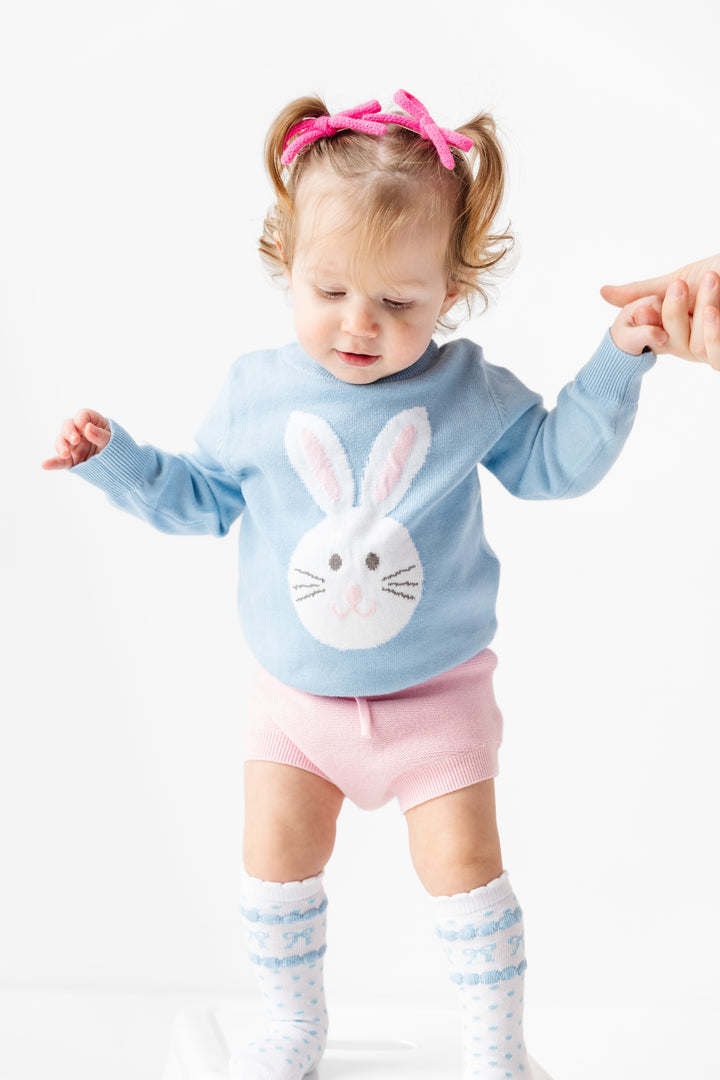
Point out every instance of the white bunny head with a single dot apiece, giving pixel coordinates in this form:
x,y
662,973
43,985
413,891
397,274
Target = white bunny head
x,y
356,578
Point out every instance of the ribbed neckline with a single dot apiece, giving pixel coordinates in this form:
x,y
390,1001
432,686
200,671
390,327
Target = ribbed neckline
x,y
296,356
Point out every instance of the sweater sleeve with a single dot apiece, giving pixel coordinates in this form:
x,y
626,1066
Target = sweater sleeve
x,y
176,493
565,451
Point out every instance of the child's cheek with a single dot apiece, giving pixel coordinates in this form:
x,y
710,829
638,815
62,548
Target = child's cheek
x,y
413,335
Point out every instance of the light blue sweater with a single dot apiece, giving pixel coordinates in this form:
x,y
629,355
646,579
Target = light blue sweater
x,y
363,564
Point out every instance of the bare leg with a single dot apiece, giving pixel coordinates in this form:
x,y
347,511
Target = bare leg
x,y
456,851
454,841
290,821
289,836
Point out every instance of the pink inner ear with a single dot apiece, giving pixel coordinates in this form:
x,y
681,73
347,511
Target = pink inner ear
x,y
395,463
320,465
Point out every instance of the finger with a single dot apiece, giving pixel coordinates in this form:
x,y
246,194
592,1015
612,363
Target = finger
x,y
656,337
90,416
620,295
62,448
693,274
676,319
711,325
70,433
647,315
98,436
635,339
708,296
56,463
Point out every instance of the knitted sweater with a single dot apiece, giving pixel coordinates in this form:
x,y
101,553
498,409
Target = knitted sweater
x,y
363,563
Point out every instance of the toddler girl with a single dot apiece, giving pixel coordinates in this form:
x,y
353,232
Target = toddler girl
x,y
367,589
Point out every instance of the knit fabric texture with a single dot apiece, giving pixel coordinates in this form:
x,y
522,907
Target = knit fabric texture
x,y
364,567
483,938
286,932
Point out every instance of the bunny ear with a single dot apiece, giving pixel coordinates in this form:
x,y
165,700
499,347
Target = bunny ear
x,y
318,457
395,458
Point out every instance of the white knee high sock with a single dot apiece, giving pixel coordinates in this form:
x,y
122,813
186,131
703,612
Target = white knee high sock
x,y
482,935
285,927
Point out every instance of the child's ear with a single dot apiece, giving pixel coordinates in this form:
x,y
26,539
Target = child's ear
x,y
452,296
280,245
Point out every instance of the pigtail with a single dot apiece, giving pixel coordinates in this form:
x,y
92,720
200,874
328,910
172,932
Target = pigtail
x,y
276,239
478,248
303,108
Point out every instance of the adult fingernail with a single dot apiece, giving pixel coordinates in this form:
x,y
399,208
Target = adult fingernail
x,y
710,316
709,281
676,290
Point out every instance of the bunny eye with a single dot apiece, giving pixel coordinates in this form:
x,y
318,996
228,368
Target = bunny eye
x,y
335,562
372,561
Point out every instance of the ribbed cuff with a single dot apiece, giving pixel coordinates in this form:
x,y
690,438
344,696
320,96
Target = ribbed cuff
x,y
446,775
118,467
614,374
276,747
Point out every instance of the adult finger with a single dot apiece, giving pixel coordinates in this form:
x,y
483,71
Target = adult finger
x,y
708,296
692,274
676,320
620,295
711,324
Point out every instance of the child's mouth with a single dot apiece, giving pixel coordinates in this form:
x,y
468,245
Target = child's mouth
x,y
356,359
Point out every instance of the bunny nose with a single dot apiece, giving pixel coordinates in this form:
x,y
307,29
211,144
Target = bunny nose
x,y
353,595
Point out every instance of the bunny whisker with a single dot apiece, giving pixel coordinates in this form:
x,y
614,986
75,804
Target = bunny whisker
x,y
308,595
405,571
404,596
297,570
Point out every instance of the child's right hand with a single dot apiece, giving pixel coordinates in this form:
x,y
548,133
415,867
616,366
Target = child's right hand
x,y
80,438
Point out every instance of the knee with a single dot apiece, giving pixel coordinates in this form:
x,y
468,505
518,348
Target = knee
x,y
457,869
290,818
285,851
454,840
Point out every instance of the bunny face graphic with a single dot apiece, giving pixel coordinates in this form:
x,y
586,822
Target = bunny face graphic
x,y
356,577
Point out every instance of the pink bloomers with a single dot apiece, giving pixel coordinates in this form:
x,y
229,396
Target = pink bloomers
x,y
414,745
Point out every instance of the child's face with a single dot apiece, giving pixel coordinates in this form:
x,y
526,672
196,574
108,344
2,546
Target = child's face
x,y
363,331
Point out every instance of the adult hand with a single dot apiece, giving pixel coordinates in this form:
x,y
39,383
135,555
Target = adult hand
x,y
693,336
690,311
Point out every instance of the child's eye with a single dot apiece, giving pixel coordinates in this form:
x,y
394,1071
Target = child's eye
x,y
328,294
397,305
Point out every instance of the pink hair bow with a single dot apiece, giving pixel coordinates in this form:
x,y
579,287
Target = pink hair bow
x,y
421,121
371,121
319,127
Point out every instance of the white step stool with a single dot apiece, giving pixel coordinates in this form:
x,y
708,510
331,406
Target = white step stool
x,y
394,1043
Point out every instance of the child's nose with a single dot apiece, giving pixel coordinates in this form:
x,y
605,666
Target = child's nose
x,y
359,321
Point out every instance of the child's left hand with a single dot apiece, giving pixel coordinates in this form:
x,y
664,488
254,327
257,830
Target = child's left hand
x,y
640,325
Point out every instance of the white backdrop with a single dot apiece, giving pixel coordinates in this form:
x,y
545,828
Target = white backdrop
x,y
132,194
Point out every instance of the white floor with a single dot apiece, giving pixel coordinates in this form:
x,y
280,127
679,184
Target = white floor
x,y
101,1036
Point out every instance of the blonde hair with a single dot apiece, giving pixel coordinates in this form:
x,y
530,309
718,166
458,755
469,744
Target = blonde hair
x,y
397,180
